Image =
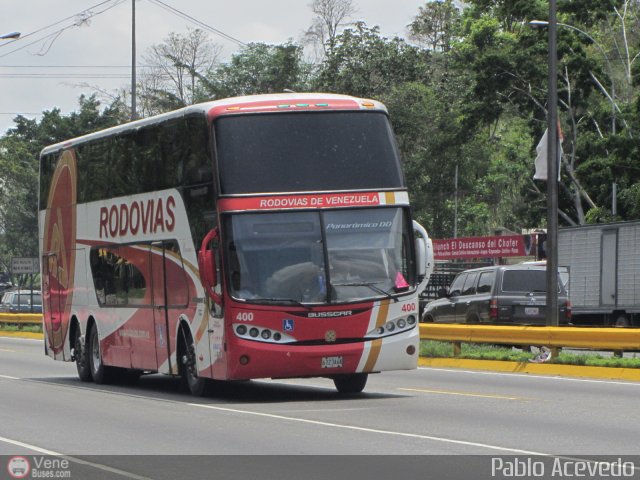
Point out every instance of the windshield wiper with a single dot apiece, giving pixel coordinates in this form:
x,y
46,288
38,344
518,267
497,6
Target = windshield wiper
x,y
371,285
280,300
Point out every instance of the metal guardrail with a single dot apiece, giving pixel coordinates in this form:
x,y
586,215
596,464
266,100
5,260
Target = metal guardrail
x,y
573,337
23,318
595,338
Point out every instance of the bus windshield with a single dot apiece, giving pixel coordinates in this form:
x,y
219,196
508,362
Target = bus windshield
x,y
319,257
302,151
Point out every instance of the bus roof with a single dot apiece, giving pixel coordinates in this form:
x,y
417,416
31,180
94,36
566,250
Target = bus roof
x,y
235,105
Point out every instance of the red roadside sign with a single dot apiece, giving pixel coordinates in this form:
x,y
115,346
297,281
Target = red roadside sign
x,y
484,247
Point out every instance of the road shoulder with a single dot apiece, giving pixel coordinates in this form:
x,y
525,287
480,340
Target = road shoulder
x,y
609,373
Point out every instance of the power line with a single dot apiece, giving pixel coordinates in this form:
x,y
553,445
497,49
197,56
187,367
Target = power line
x,y
80,18
63,75
22,37
76,66
188,17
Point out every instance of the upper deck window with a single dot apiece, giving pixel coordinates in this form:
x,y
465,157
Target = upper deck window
x,y
305,151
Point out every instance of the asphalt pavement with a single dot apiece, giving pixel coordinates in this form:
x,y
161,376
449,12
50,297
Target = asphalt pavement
x,y
407,418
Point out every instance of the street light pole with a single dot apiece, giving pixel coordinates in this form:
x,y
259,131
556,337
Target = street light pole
x,y
552,172
134,114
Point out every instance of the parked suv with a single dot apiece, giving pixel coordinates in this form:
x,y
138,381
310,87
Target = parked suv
x,y
20,301
502,294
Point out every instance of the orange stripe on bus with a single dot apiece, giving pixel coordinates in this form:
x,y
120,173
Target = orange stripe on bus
x,y
376,345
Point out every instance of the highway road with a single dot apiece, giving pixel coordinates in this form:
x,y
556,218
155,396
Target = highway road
x,y
46,410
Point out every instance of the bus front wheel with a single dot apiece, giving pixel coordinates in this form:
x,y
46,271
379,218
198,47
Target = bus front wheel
x,y
349,384
198,386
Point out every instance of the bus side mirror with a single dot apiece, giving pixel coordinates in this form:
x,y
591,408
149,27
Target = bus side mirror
x,y
421,257
424,255
207,266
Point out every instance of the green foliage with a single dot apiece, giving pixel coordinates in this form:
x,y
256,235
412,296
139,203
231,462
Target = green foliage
x,y
19,150
364,64
435,25
474,351
258,69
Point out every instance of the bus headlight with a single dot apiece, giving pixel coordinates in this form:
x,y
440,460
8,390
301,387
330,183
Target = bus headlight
x,y
261,334
392,327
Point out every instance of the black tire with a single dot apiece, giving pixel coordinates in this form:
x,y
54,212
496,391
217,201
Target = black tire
x,y
427,319
80,354
99,372
350,384
472,318
622,321
187,365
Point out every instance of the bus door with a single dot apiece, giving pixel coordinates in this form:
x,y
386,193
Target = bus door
x,y
124,278
53,303
170,297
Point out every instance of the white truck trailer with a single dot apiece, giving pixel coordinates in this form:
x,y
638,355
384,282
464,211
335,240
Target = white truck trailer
x,y
604,272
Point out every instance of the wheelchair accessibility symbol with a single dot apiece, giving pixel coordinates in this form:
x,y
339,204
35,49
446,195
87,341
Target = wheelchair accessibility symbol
x,y
287,325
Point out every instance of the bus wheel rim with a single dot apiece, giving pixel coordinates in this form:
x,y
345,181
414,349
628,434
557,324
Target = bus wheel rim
x,y
95,353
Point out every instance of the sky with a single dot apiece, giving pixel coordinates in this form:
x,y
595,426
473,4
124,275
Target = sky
x,y
51,67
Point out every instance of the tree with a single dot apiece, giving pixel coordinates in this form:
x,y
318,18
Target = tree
x,y
178,65
259,68
19,151
363,63
330,15
435,25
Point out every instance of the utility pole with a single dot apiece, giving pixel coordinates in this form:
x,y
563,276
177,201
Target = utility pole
x,y
455,205
134,114
552,173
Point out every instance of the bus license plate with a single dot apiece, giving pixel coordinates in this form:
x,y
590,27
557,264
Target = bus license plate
x,y
531,310
331,362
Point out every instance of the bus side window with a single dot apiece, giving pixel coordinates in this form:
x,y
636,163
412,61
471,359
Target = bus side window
x,y
177,286
119,276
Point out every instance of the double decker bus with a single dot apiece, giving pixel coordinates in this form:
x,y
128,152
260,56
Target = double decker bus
x,y
254,237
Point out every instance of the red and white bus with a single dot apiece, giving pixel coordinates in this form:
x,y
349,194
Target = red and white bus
x,y
253,237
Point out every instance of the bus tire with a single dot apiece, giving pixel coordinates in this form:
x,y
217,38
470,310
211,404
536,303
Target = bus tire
x,y
187,365
350,384
99,372
80,354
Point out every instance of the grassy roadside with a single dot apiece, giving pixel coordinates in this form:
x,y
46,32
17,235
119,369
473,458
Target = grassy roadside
x,y
434,349
13,328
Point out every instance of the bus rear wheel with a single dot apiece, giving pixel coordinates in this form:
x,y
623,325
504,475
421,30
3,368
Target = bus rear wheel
x,y
80,355
350,384
99,372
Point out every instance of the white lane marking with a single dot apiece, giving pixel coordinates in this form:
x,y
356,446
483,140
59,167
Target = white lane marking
x,y
79,461
30,447
465,394
7,377
532,376
370,430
